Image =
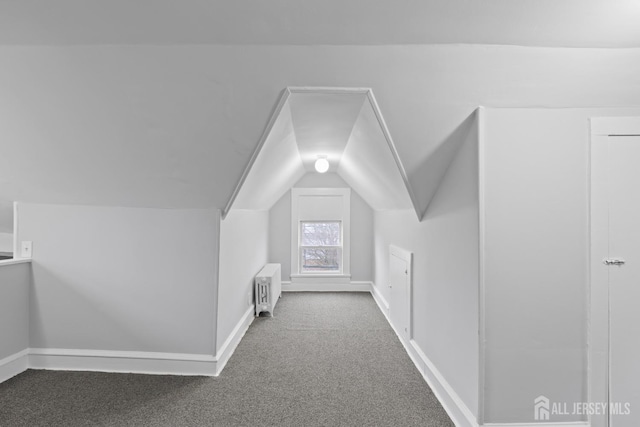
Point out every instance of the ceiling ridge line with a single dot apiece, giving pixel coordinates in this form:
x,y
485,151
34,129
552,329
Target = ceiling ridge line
x,y
394,152
286,93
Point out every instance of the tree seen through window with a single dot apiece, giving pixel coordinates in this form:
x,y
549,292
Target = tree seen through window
x,y
321,246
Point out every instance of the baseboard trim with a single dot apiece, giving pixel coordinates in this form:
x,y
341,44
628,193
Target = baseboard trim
x,y
541,424
449,399
59,359
457,410
327,287
229,346
381,301
137,362
13,365
452,403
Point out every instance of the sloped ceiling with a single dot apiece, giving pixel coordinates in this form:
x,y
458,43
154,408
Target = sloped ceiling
x,y
174,127
370,169
323,124
568,23
104,102
275,168
343,124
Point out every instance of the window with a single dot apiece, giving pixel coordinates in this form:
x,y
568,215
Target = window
x,y
320,247
320,235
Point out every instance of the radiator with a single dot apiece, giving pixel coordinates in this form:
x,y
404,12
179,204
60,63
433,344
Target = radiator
x,y
267,288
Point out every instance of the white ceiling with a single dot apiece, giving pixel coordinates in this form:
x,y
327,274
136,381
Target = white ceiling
x,y
568,23
175,126
368,166
343,126
323,123
275,169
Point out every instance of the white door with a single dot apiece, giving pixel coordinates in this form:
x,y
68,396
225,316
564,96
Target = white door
x,y
624,280
400,284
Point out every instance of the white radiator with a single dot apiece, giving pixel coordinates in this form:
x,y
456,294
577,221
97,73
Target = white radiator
x,y
267,288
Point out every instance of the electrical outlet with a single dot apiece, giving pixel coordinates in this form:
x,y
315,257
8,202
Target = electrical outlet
x,y
26,249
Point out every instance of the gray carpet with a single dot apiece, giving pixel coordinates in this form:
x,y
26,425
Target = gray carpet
x,y
324,359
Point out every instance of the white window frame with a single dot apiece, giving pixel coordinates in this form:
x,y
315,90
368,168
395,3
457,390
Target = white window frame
x,y
297,275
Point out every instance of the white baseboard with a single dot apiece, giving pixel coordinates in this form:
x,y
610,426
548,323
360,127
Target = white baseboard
x,y
541,424
459,413
455,407
59,359
326,287
13,365
229,346
138,362
457,410
383,305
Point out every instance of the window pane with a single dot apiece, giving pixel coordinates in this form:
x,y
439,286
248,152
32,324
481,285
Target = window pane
x,y
320,259
320,234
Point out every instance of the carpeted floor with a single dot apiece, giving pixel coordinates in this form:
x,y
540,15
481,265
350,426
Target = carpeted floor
x,y
324,359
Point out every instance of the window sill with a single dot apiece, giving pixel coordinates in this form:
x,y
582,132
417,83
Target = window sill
x,y
324,278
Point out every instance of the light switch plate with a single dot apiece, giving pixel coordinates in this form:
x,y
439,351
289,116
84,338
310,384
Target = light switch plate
x,y
26,249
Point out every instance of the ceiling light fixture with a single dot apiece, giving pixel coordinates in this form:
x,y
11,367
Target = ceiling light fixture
x,y
322,164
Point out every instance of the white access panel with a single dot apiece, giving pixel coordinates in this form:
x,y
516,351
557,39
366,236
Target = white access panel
x,y
268,287
400,267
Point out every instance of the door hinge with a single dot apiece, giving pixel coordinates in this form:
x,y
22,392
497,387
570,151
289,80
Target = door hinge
x,y
613,261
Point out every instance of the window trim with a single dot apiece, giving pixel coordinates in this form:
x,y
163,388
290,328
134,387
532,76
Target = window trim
x,y
297,275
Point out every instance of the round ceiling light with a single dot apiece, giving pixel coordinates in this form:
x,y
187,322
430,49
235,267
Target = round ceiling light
x,y
322,165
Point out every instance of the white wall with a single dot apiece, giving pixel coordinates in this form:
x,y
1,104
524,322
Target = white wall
x,y
536,199
6,212
243,252
15,282
108,278
445,272
361,228
189,116
6,242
